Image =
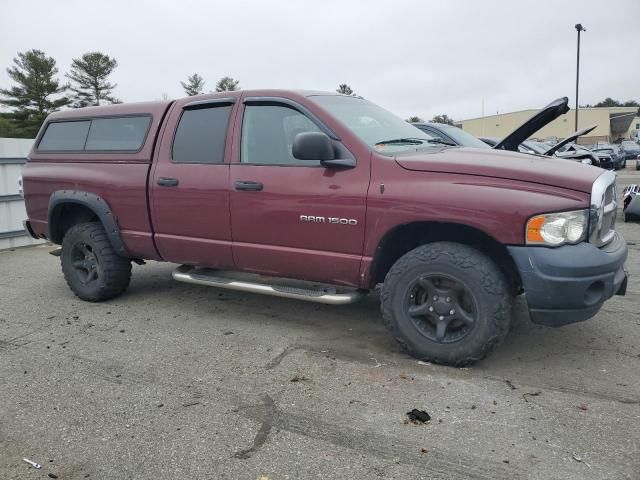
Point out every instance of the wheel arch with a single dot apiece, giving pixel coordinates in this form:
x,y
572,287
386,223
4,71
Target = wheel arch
x,y
70,207
404,238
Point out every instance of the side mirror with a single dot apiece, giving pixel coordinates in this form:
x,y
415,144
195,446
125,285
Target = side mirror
x,y
312,146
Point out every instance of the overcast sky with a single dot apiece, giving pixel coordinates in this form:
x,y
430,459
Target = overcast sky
x,y
412,57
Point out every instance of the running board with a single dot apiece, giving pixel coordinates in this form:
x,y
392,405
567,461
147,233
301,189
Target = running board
x,y
277,287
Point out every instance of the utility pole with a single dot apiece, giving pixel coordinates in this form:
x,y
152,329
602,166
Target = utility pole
x,y
579,28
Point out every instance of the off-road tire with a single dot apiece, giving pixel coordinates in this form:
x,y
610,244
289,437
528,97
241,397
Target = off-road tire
x,y
483,280
113,271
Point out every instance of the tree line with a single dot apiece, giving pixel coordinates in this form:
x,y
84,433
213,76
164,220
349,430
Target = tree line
x,y
38,91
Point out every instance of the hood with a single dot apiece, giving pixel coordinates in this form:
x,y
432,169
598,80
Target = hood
x,y
569,139
535,123
509,165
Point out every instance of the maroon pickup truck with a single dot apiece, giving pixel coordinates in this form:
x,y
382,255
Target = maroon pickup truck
x,y
322,197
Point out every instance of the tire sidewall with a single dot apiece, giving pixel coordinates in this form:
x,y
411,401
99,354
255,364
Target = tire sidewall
x,y
488,306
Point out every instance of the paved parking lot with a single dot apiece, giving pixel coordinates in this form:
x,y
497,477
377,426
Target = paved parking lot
x,y
179,381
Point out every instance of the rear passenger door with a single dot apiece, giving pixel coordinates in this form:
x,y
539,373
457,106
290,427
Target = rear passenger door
x,y
189,184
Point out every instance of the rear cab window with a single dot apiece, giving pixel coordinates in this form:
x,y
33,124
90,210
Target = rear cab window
x,y
112,134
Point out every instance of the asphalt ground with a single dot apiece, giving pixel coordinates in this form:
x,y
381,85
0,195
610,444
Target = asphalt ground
x,y
177,381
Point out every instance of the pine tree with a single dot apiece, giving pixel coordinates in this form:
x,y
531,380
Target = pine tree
x,y
227,84
194,85
442,119
89,75
36,95
345,89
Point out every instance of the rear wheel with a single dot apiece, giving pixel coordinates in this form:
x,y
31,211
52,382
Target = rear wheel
x,y
447,303
91,267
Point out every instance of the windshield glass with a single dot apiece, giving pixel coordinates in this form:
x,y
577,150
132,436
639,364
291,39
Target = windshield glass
x,y
462,138
375,126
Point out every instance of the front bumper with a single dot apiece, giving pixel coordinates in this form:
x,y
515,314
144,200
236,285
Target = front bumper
x,y
570,283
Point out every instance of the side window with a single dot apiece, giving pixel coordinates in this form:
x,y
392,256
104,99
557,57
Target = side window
x,y
64,136
268,132
124,133
201,135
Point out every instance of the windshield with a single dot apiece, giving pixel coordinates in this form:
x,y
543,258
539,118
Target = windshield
x,y
631,145
375,126
462,138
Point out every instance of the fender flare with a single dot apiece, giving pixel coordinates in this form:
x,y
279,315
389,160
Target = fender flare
x,y
97,205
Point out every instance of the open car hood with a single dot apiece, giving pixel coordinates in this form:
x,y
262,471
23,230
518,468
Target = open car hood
x,y
535,123
569,139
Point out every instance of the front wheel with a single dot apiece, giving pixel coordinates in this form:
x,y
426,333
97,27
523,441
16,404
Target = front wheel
x,y
447,303
91,267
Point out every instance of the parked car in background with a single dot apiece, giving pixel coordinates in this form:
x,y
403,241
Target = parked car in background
x,y
614,151
630,149
450,134
550,112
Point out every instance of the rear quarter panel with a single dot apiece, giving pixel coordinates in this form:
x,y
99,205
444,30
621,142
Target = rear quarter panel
x,y
119,178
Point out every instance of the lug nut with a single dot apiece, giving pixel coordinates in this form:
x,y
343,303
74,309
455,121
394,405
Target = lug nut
x,y
431,309
448,299
441,317
435,297
452,312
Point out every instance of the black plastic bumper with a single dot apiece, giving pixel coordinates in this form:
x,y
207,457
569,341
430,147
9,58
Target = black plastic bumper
x,y
570,283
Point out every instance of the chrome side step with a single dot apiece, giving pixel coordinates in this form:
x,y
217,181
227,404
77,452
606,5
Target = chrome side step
x,y
277,287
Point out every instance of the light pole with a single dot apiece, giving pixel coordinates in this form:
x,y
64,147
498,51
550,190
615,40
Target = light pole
x,y
579,28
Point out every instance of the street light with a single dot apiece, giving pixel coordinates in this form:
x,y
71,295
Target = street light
x,y
579,28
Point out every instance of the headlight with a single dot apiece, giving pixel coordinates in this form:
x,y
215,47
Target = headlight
x,y
555,229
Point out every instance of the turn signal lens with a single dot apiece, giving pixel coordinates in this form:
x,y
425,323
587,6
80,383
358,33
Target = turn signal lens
x,y
555,229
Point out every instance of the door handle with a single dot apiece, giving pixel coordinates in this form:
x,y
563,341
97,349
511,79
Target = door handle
x,y
168,182
248,185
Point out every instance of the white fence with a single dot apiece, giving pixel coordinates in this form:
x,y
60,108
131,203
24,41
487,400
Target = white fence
x,y
13,155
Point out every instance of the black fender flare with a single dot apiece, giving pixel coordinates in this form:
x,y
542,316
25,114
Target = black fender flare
x,y
97,205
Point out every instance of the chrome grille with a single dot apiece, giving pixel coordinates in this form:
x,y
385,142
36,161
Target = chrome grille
x,y
604,208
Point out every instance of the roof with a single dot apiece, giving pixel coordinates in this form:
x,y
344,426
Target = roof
x,y
161,105
613,112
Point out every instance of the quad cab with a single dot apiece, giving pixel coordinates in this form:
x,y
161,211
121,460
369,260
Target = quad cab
x,y
322,197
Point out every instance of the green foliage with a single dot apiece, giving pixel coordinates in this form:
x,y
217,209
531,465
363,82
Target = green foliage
x,y
345,89
89,75
194,85
36,95
415,119
610,102
442,119
227,84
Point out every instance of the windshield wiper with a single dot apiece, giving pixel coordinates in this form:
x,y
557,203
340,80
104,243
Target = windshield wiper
x,y
406,140
442,142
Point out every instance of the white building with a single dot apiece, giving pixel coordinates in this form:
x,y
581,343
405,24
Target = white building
x,y
13,155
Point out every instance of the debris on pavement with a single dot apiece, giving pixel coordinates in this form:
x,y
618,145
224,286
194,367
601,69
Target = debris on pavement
x,y
420,362
299,378
191,403
530,394
424,450
418,416
32,463
510,385
583,407
52,475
